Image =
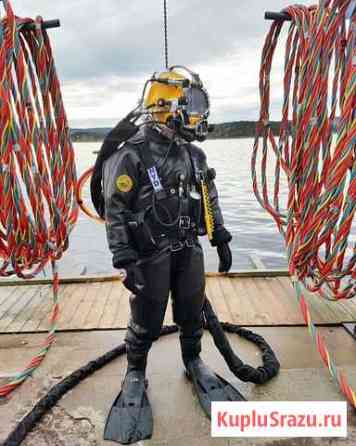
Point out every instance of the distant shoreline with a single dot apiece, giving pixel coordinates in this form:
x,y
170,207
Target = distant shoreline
x,y
226,130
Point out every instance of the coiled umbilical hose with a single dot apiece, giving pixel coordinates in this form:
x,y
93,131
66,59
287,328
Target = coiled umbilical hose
x,y
243,371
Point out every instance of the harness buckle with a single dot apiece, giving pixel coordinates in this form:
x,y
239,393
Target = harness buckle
x,y
189,243
177,246
184,222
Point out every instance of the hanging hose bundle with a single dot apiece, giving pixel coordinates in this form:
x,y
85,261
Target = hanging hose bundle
x,y
319,167
37,171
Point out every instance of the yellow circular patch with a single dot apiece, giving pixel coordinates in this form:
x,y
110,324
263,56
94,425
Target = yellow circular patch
x,y
124,183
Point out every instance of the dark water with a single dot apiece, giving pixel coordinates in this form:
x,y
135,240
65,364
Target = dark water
x,y
254,232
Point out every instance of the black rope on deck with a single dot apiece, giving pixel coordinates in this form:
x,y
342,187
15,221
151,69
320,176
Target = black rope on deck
x,y
241,370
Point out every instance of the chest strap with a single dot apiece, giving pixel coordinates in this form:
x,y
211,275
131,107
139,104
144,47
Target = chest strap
x,y
151,170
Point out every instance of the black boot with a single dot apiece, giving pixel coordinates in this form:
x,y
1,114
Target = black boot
x,y
190,342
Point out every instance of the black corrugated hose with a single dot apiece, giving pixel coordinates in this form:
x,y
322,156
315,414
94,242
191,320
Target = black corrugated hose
x,y
245,372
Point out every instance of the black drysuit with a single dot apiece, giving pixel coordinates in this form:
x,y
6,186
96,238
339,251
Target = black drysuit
x,y
159,231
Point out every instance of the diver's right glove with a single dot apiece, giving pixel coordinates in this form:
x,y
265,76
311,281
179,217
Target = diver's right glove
x,y
133,278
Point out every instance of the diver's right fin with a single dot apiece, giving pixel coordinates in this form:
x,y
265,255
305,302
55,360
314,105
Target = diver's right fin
x,y
130,419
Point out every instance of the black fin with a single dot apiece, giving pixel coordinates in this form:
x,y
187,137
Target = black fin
x,y
130,419
209,386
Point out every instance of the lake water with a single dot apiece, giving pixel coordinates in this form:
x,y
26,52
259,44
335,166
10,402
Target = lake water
x,y
254,232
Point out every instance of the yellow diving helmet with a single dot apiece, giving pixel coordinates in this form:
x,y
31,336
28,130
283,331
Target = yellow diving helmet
x,y
178,101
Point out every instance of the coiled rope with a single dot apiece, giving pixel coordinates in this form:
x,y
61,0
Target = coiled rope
x,y
319,166
37,171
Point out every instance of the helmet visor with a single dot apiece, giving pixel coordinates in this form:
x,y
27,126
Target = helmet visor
x,y
197,101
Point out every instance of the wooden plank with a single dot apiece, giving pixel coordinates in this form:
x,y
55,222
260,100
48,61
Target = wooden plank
x,y
40,311
346,311
84,298
285,294
230,299
283,286
263,315
322,311
96,311
325,311
318,314
251,273
107,319
351,305
62,280
104,296
283,310
242,300
217,298
114,277
122,308
29,312
242,310
226,297
44,311
16,304
115,313
11,300
103,322
6,292
71,298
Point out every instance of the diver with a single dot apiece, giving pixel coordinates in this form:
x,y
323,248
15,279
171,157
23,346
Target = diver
x,y
159,196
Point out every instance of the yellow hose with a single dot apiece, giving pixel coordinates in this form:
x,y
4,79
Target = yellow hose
x,y
208,213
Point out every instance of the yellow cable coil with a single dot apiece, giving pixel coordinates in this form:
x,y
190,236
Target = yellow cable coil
x,y
208,213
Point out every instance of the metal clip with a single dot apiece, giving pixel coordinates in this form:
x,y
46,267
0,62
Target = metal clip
x,y
184,222
177,246
189,243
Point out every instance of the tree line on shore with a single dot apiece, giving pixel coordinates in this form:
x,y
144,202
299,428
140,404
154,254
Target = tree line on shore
x,y
236,129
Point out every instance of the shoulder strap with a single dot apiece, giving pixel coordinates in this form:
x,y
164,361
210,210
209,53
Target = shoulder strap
x,y
150,166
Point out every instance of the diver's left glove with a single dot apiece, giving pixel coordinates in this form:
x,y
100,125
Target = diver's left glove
x,y
133,278
221,239
225,257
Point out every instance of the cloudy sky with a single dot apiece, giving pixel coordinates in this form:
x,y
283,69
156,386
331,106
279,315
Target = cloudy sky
x,y
105,50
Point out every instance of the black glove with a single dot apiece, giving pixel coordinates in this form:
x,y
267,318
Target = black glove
x,y
134,280
220,235
225,257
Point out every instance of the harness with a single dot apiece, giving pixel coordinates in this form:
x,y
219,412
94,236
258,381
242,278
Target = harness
x,y
180,231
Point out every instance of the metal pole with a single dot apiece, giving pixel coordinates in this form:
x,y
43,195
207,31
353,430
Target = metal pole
x,y
45,25
165,32
277,16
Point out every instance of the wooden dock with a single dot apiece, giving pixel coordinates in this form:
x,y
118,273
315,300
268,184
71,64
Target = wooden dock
x,y
254,298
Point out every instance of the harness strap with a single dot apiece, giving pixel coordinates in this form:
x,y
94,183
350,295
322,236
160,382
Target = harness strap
x,y
151,169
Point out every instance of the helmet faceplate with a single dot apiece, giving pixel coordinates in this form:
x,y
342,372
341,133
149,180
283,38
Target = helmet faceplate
x,y
172,97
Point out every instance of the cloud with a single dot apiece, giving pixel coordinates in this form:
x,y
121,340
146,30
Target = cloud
x,y
105,50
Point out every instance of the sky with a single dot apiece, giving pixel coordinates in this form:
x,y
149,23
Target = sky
x,y
105,50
